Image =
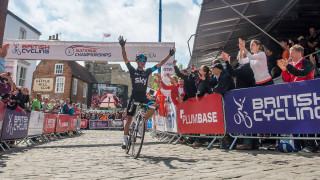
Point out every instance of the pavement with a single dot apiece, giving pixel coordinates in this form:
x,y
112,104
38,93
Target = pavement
x,y
96,154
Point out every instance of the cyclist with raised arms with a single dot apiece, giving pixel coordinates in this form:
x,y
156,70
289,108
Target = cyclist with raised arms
x,y
139,80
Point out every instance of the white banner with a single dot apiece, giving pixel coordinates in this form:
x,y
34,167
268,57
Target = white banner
x,y
36,123
85,51
168,123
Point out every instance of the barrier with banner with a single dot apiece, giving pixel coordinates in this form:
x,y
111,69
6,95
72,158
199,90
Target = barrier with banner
x,y
49,124
2,113
167,122
72,122
15,125
115,124
201,117
96,124
36,123
84,123
78,123
291,108
62,123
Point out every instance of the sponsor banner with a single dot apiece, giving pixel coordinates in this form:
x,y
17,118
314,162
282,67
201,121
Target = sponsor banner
x,y
117,123
2,112
85,51
43,84
62,123
291,108
160,123
98,124
72,122
15,125
201,117
84,123
167,123
36,123
49,125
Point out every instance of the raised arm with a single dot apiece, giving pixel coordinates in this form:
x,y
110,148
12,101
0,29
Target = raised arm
x,y
171,53
123,48
172,80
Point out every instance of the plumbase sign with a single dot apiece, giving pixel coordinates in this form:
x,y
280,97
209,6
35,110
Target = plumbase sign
x,y
85,51
43,84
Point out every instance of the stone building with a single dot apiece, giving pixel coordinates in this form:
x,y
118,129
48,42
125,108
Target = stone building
x,y
62,80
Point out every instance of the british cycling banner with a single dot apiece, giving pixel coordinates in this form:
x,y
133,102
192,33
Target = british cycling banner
x,y
15,125
49,125
201,117
292,108
96,124
85,51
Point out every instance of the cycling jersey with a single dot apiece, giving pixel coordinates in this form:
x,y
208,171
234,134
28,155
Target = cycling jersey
x,y
139,80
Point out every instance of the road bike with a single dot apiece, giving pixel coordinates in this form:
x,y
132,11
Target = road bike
x,y
137,130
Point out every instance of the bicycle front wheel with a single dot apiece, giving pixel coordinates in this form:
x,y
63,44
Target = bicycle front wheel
x,y
138,136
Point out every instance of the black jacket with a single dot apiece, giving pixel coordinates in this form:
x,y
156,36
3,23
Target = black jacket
x,y
189,84
204,87
225,83
243,74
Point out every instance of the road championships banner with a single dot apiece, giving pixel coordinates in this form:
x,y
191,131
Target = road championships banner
x,y
85,51
291,108
36,123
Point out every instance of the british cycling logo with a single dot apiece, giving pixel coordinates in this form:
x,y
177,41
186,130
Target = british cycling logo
x,y
80,50
146,52
10,128
30,49
241,115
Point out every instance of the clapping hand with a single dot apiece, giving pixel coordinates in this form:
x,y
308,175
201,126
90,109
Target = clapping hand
x,y
242,44
282,63
225,56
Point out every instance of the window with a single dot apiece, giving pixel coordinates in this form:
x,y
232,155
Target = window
x,y
58,69
75,86
84,90
21,75
22,33
60,84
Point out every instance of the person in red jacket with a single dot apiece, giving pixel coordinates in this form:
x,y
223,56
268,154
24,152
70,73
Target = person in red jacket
x,y
173,87
299,69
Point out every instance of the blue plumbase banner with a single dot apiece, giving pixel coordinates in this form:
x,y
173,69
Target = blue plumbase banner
x,y
292,108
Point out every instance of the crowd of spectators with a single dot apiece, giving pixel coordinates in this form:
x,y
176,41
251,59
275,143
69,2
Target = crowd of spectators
x,y
94,115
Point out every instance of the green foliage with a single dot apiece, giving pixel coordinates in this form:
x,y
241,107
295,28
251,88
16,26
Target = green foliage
x,y
154,85
180,66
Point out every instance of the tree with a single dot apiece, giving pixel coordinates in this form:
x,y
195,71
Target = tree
x,y
180,66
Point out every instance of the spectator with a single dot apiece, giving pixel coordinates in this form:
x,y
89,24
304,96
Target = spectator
x,y
258,61
6,83
24,99
271,60
73,106
189,81
285,53
173,87
316,72
45,104
66,108
3,54
313,39
36,106
243,74
299,69
180,90
204,86
224,81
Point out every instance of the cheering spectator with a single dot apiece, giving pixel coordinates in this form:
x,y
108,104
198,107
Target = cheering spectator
x,y
36,106
3,54
299,69
65,108
243,74
173,87
180,90
224,81
6,83
285,53
204,86
189,81
312,40
257,60
45,104
73,106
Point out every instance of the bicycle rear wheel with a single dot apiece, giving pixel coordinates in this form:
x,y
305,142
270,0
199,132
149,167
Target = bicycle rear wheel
x,y
138,136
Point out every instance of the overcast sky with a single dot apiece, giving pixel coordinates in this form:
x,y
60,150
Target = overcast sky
x,y
136,20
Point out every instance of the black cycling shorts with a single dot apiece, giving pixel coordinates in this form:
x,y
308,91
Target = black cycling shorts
x,y
144,100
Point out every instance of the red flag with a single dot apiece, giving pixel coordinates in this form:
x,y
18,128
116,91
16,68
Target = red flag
x,y
106,34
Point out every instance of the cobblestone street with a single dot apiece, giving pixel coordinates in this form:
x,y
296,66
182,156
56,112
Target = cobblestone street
x,y
98,155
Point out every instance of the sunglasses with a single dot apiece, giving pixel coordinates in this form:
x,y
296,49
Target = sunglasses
x,y
142,60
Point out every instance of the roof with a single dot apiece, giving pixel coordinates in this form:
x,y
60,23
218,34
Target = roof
x,y
81,72
23,22
219,27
